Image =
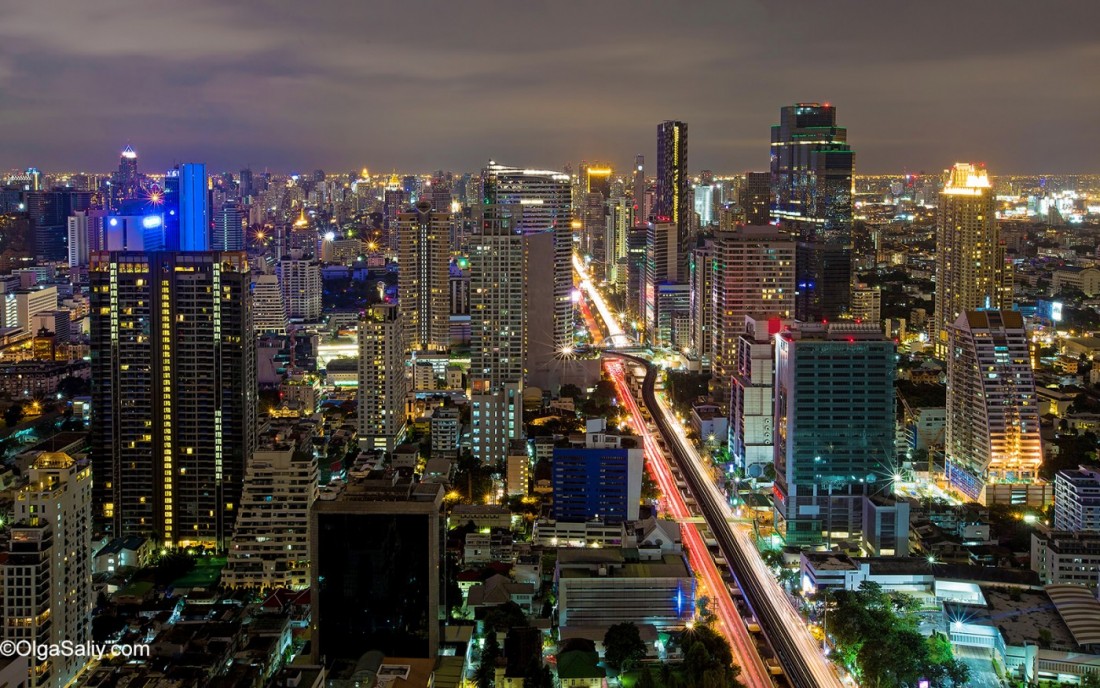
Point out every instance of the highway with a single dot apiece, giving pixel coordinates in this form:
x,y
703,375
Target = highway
x,y
753,672
799,654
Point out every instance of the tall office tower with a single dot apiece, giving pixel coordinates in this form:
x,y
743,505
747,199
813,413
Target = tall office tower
x,y
247,190
49,213
498,331
544,198
87,233
596,178
970,258
752,410
594,233
380,592
187,208
47,572
620,220
597,483
382,382
812,177
125,183
753,273
300,279
270,548
636,249
641,216
992,433
229,228
268,306
754,197
834,428
173,393
866,303
394,202
424,260
674,202
667,292
702,303
703,199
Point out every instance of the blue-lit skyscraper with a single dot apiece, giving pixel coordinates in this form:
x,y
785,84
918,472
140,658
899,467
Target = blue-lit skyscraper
x,y
597,483
187,208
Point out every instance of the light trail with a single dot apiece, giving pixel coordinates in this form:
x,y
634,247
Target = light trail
x,y
730,625
614,330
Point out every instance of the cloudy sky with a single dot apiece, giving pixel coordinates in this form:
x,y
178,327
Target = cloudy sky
x,y
419,85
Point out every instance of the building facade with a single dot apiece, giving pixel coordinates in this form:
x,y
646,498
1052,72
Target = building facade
x,y
424,255
383,384
595,483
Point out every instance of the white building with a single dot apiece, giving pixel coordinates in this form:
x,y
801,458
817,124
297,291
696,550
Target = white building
x,y
751,406
31,302
270,547
47,576
866,303
269,312
382,382
1077,499
300,280
1060,556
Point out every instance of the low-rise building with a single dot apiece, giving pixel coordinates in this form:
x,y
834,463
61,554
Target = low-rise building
x,y
1060,556
132,552
1077,499
481,515
551,533
482,548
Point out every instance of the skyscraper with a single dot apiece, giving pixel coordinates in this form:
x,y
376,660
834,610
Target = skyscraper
x,y
187,208
498,331
229,228
269,309
47,572
752,409
674,203
753,272
812,168
667,292
834,428
87,233
382,383
638,192
246,188
754,197
423,256
173,393
970,259
702,303
125,182
300,279
992,433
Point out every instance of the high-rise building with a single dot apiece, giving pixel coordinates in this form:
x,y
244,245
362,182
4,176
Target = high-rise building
x,y
246,188
641,214
498,331
636,251
229,228
754,197
866,303
424,259
187,208
992,433
594,233
300,279
674,202
702,303
597,483
620,221
270,547
269,309
382,378
812,174
47,571
173,393
1077,499
753,272
49,213
834,428
752,409
664,286
545,200
380,592
970,258
87,233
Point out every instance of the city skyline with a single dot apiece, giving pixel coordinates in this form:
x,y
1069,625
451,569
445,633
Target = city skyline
x,y
237,89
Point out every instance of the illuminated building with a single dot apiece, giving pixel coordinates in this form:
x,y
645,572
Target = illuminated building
x,y
638,193
970,258
673,202
383,591
270,547
866,303
269,309
594,233
173,393
812,172
992,433
752,410
47,571
49,213
424,256
1077,499
246,187
620,221
229,228
596,178
702,303
545,200
498,331
603,483
87,233
753,272
300,279
187,208
834,428
667,293
382,383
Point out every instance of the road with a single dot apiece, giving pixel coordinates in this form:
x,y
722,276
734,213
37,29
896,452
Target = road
x,y
616,336
753,671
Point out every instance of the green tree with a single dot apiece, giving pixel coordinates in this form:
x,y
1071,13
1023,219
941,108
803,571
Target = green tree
x,y
506,616
1089,680
14,414
485,676
707,651
645,680
623,646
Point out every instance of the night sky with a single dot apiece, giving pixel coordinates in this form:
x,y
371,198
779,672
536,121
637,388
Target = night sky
x,y
343,84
